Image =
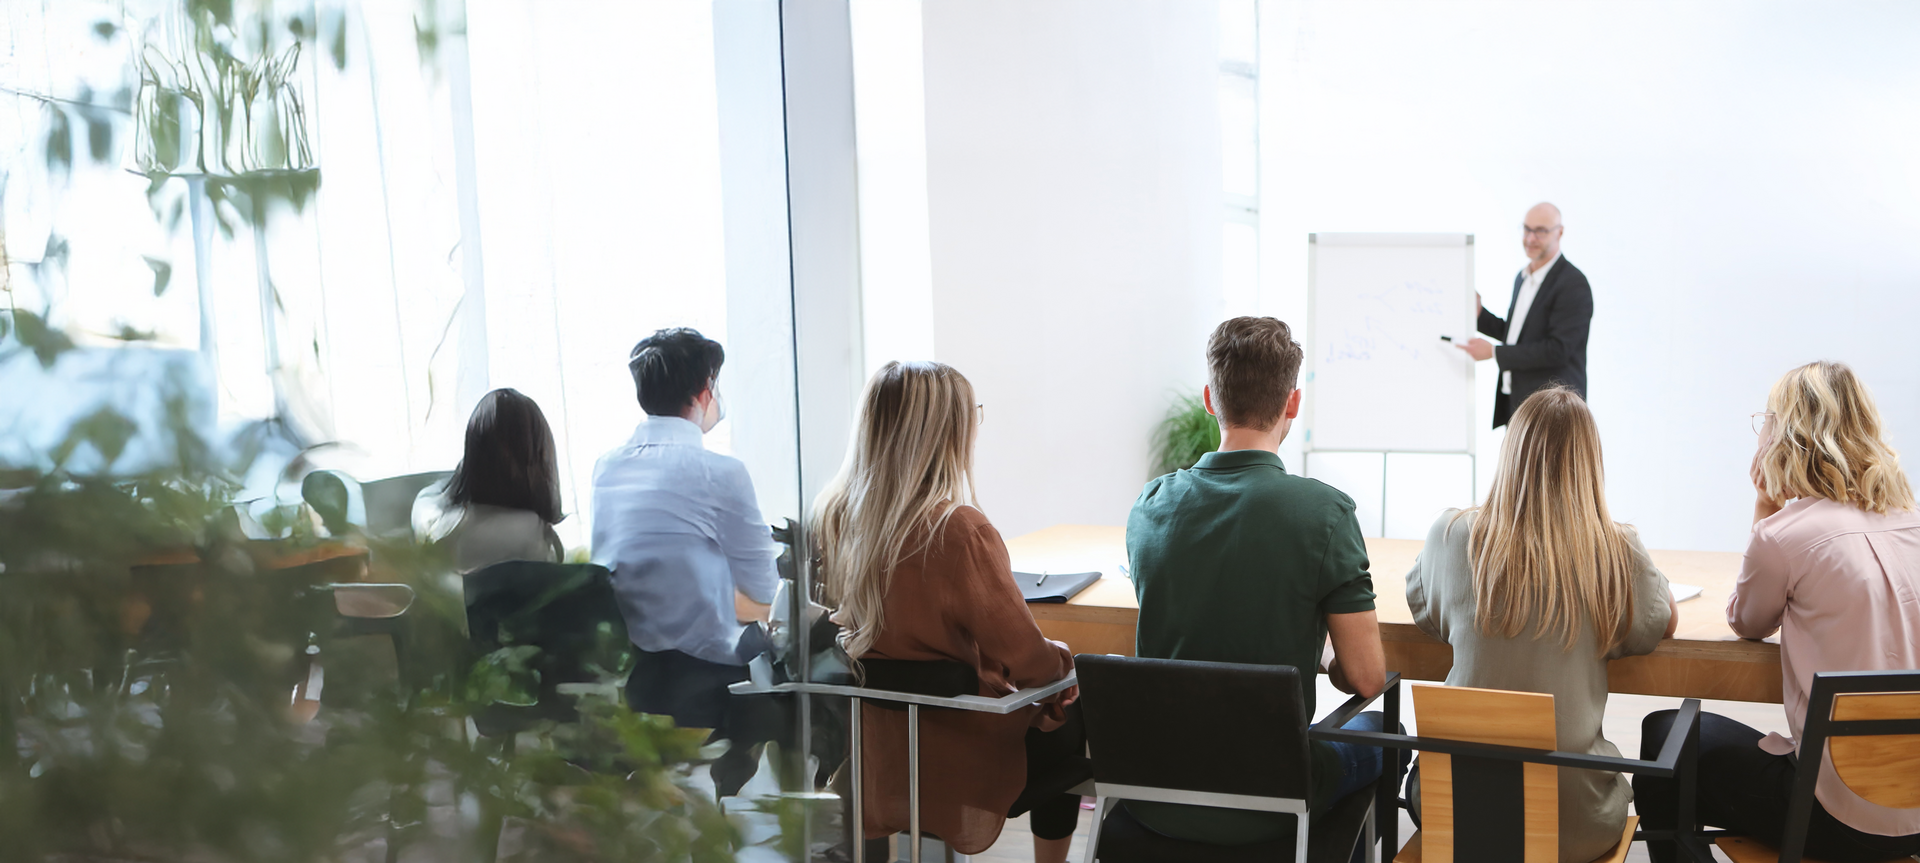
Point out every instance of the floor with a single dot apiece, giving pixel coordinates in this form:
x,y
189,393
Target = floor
x,y
1622,726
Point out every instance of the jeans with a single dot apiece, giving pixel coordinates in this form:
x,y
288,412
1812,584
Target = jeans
x,y
1745,789
1360,766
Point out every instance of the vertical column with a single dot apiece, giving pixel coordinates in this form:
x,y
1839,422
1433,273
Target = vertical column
x,y
474,377
824,227
759,377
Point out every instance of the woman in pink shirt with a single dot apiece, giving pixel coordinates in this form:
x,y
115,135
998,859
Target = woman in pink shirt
x,y
1833,566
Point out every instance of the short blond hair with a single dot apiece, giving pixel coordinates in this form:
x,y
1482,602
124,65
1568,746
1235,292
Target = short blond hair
x,y
1827,440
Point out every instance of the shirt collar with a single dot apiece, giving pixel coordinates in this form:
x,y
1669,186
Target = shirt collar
x,y
673,431
1540,275
1239,458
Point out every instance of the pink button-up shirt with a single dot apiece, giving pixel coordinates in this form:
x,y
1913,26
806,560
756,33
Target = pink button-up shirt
x,y
1842,585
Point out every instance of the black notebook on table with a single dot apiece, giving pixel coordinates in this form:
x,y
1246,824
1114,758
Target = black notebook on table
x,y
1055,586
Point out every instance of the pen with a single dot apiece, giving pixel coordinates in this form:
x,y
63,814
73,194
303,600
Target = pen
x,y
1041,580
1446,338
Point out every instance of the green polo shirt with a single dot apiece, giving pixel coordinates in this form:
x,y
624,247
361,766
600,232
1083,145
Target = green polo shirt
x,y
1236,560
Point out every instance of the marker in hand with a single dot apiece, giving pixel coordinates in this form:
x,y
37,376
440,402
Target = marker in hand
x,y
1446,338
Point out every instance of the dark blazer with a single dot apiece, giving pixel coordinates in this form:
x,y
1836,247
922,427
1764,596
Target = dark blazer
x,y
1551,347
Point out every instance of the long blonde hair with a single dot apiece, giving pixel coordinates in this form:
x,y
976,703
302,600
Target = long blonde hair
x,y
1546,556
909,466
1828,441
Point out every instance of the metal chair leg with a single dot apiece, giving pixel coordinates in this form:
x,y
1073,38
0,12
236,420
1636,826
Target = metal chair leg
x,y
913,779
857,820
1100,806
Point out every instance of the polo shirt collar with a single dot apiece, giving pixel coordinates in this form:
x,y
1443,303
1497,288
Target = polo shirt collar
x,y
1239,458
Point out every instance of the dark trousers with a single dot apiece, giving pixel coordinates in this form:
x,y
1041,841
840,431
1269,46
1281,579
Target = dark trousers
x,y
694,692
1056,761
1743,788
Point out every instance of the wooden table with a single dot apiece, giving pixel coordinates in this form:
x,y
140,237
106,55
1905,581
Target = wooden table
x,y
1704,659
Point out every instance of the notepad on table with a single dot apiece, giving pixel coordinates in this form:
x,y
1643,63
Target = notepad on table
x,y
1683,592
1053,586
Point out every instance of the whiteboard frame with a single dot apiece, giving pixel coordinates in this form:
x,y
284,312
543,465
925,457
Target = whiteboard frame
x,y
1307,449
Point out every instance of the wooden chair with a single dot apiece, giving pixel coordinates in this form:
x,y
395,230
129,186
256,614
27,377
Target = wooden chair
x,y
1501,718
1868,723
1489,777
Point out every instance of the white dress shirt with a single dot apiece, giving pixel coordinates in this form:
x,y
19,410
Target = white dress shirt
x,y
1529,288
681,530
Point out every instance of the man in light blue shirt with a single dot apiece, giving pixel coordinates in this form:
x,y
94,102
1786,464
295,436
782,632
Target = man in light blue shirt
x,y
681,531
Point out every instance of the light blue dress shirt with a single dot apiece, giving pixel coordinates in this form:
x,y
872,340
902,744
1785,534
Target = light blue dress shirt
x,y
680,529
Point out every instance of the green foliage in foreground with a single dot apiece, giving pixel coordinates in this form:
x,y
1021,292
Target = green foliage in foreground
x,y
149,655
1187,433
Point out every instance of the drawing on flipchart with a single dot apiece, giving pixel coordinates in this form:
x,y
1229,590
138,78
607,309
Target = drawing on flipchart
x,y
1381,329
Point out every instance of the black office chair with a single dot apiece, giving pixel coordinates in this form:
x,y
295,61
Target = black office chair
x,y
1209,734
566,610
389,502
1869,719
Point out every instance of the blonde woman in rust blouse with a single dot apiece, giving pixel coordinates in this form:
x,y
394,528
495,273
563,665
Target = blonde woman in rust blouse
x,y
919,574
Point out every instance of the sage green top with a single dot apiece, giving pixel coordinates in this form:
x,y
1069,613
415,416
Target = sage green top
x,y
1593,803
1236,560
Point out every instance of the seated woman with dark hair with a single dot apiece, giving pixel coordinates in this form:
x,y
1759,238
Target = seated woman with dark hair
x,y
504,498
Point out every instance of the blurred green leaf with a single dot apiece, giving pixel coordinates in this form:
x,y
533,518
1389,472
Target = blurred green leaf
x,y
162,274
221,11
99,135
337,47
104,29
59,140
46,342
105,429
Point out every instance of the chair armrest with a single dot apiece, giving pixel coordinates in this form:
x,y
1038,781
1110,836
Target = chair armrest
x,y
1688,718
1494,751
1347,711
370,601
980,704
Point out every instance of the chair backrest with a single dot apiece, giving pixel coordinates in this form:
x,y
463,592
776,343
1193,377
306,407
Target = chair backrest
x,y
1160,723
568,610
389,502
942,678
1884,769
1480,808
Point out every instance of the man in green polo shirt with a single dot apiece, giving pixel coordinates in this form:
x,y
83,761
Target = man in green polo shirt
x,y
1236,560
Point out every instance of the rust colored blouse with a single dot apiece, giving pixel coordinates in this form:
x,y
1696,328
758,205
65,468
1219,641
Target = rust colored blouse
x,y
957,600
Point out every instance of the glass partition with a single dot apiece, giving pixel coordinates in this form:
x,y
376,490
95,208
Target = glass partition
x,y
262,261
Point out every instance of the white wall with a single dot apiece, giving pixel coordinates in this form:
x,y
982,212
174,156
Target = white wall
x,y
1073,181
1740,182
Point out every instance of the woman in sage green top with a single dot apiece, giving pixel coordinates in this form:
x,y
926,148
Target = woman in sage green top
x,y
1537,589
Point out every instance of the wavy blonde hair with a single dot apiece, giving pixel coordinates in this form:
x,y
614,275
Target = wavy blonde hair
x,y
1827,440
1546,555
909,466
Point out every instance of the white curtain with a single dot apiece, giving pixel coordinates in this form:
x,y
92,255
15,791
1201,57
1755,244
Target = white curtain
x,y
588,140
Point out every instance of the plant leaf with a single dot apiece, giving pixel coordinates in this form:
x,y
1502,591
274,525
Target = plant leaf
x,y
99,136
162,274
59,141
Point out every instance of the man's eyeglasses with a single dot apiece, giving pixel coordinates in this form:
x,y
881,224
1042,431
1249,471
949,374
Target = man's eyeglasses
x,y
1538,232
979,415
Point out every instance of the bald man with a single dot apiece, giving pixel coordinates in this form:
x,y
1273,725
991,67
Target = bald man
x,y
1545,331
